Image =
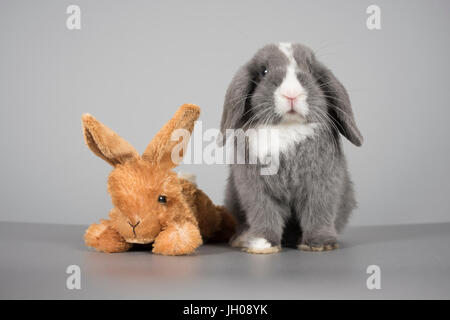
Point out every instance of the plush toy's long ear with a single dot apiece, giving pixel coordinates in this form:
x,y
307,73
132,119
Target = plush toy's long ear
x,y
159,151
105,143
339,103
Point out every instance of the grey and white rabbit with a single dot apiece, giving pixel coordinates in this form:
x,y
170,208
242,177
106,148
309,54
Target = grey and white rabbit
x,y
285,87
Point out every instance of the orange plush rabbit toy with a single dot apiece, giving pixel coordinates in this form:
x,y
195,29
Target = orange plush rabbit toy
x,y
152,204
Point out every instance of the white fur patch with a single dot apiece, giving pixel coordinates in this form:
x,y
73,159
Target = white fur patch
x,y
290,87
270,140
287,49
258,243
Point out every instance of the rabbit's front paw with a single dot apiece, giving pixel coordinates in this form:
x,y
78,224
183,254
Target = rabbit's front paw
x,y
318,248
323,238
178,240
319,243
261,246
239,240
103,238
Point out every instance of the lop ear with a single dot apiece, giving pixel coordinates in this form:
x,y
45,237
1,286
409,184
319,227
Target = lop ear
x,y
339,103
105,143
235,101
159,150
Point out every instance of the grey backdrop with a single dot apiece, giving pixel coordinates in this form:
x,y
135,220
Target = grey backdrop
x,y
134,62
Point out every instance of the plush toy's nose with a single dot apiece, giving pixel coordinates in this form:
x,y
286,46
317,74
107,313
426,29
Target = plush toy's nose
x,y
134,226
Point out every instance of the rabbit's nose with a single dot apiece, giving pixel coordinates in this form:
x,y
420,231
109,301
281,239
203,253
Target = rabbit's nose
x,y
291,99
291,96
134,226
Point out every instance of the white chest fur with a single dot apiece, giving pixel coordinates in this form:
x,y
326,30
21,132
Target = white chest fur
x,y
270,140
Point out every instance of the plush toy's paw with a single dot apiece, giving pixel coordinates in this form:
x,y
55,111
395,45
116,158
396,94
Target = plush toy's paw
x,y
261,246
178,240
103,238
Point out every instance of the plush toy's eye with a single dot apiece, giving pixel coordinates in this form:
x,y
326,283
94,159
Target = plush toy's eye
x,y
264,71
162,199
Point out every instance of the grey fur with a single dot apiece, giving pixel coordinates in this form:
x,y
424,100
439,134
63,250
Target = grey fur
x,y
313,184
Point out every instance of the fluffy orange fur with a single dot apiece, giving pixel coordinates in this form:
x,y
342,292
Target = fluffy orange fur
x,y
175,227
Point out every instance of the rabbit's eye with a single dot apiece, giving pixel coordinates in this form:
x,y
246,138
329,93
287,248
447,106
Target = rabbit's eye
x,y
264,71
162,199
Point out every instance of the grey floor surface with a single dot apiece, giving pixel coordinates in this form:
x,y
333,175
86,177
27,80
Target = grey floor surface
x,y
414,262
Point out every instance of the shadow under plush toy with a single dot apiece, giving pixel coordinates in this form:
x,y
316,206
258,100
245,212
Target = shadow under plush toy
x,y
152,204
